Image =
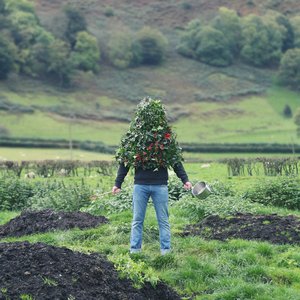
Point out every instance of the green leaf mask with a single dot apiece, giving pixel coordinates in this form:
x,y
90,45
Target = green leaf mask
x,y
149,142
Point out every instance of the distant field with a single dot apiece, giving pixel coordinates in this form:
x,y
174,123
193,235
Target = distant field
x,y
19,154
248,120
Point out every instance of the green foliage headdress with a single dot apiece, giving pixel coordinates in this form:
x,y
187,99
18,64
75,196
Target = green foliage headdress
x,y
149,142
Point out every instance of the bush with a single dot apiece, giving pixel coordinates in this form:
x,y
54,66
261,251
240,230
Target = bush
x,y
152,44
122,51
214,48
109,11
261,41
281,192
287,111
58,196
221,202
14,193
8,52
289,70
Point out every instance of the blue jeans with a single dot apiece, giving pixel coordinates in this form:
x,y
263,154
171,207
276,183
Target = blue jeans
x,y
141,195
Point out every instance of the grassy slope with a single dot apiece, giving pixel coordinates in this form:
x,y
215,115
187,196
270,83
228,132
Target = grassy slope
x,y
110,97
252,119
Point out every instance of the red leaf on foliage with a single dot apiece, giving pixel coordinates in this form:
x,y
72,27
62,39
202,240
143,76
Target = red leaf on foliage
x,y
167,135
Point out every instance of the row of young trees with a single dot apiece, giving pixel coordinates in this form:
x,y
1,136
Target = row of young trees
x,y
262,41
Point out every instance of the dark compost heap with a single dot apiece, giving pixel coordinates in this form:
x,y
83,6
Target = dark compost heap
x,y
271,228
47,272
30,222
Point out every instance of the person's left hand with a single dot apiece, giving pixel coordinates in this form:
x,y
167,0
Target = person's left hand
x,y
187,186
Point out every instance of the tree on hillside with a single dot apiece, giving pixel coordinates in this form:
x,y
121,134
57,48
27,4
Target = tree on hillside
x,y
8,53
213,47
122,51
228,22
189,40
285,28
19,5
152,45
25,30
76,23
297,120
39,52
289,70
288,35
2,6
296,28
60,67
206,44
261,41
287,111
86,53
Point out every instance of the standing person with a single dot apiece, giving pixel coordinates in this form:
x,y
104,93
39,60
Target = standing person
x,y
150,147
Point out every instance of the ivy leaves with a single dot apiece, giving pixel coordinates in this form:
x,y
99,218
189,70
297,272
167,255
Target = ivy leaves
x,y
149,142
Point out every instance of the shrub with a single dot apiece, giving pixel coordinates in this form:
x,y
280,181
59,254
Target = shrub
x,y
109,11
214,48
152,44
8,52
289,70
138,272
57,196
222,202
14,193
261,41
122,51
287,111
281,192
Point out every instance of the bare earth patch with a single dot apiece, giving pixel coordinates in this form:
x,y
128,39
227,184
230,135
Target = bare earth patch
x,y
270,228
30,222
47,272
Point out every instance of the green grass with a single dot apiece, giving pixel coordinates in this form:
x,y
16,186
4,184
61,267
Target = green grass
x,y
206,270
248,120
19,154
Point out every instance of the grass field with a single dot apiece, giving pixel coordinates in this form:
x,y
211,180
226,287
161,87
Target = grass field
x,y
197,268
249,120
19,154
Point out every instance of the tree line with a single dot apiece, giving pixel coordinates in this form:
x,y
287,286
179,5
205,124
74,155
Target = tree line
x,y
28,48
270,40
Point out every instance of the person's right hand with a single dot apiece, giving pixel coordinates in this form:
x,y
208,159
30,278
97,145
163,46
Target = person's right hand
x,y
116,190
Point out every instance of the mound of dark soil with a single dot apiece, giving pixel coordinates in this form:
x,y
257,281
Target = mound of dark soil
x,y
48,272
271,228
30,222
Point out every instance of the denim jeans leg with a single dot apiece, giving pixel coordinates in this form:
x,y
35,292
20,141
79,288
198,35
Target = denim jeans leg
x,y
159,196
140,199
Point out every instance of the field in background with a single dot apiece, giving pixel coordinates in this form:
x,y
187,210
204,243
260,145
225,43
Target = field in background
x,y
248,120
19,154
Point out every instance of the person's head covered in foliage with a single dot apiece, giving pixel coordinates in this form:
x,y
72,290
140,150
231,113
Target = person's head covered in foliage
x,y
149,142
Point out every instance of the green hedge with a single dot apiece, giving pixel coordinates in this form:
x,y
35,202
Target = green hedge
x,y
56,144
241,148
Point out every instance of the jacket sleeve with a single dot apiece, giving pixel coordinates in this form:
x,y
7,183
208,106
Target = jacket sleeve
x,y
122,172
180,172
